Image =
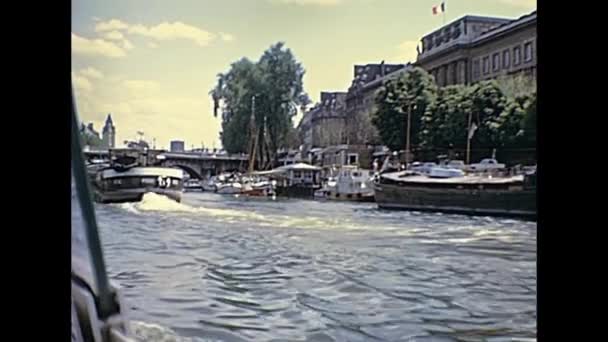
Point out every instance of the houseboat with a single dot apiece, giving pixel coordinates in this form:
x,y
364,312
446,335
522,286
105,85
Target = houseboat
x,y
295,180
475,194
132,173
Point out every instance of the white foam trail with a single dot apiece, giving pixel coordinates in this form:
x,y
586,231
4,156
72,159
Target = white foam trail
x,y
151,332
130,207
156,202
154,333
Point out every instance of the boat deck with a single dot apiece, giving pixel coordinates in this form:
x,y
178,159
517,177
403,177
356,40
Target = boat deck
x,y
470,179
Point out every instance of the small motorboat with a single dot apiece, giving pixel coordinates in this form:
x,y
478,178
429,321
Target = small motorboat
x,y
192,185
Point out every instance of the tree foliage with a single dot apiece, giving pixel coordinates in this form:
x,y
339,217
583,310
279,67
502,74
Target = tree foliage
x,y
89,137
276,83
445,121
414,90
504,112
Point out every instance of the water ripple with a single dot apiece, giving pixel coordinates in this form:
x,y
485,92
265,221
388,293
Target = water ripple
x,y
219,268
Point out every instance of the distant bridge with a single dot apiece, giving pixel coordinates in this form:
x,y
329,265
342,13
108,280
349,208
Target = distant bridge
x,y
196,164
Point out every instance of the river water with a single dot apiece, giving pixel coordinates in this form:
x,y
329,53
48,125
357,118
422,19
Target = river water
x,y
222,268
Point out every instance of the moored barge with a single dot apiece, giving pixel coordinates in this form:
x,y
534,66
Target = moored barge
x,y
474,195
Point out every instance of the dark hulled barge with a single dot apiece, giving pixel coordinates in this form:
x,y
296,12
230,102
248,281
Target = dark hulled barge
x,y
513,196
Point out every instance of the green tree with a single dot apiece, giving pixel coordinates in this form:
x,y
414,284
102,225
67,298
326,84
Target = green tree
x,y
89,139
445,122
276,83
414,90
488,105
529,121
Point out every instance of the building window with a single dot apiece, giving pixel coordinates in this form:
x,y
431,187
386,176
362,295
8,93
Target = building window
x,y
506,59
486,65
528,52
476,68
516,55
496,62
297,174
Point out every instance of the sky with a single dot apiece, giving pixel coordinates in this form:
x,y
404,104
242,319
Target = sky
x,y
152,63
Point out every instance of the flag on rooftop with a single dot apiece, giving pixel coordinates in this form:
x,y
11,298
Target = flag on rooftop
x,y
437,9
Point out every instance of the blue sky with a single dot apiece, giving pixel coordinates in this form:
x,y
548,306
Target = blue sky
x,y
151,63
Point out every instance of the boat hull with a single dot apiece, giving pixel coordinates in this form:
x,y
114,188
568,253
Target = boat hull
x,y
295,191
228,190
134,195
130,185
495,202
351,197
209,188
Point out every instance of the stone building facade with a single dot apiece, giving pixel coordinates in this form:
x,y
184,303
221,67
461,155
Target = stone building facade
x,y
323,125
475,48
360,99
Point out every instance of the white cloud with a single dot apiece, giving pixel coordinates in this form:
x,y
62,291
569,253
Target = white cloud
x,y
309,2
172,31
91,72
407,51
152,45
227,37
81,83
115,29
111,25
141,87
114,35
96,47
527,4
126,44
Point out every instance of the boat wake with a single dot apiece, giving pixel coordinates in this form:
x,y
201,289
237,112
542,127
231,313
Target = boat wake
x,y
143,331
154,202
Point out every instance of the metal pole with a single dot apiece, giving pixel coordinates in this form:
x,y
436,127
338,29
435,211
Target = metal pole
x,y
407,137
469,139
106,296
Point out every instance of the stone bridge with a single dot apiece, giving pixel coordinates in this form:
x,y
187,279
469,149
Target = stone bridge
x,y
202,166
197,165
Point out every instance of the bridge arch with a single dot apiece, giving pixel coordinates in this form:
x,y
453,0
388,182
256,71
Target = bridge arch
x,y
193,173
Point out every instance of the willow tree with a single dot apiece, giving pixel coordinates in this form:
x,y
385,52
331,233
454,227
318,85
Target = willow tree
x,y
275,81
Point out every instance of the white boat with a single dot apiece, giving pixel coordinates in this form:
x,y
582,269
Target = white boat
x,y
209,185
352,184
328,186
229,188
258,187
